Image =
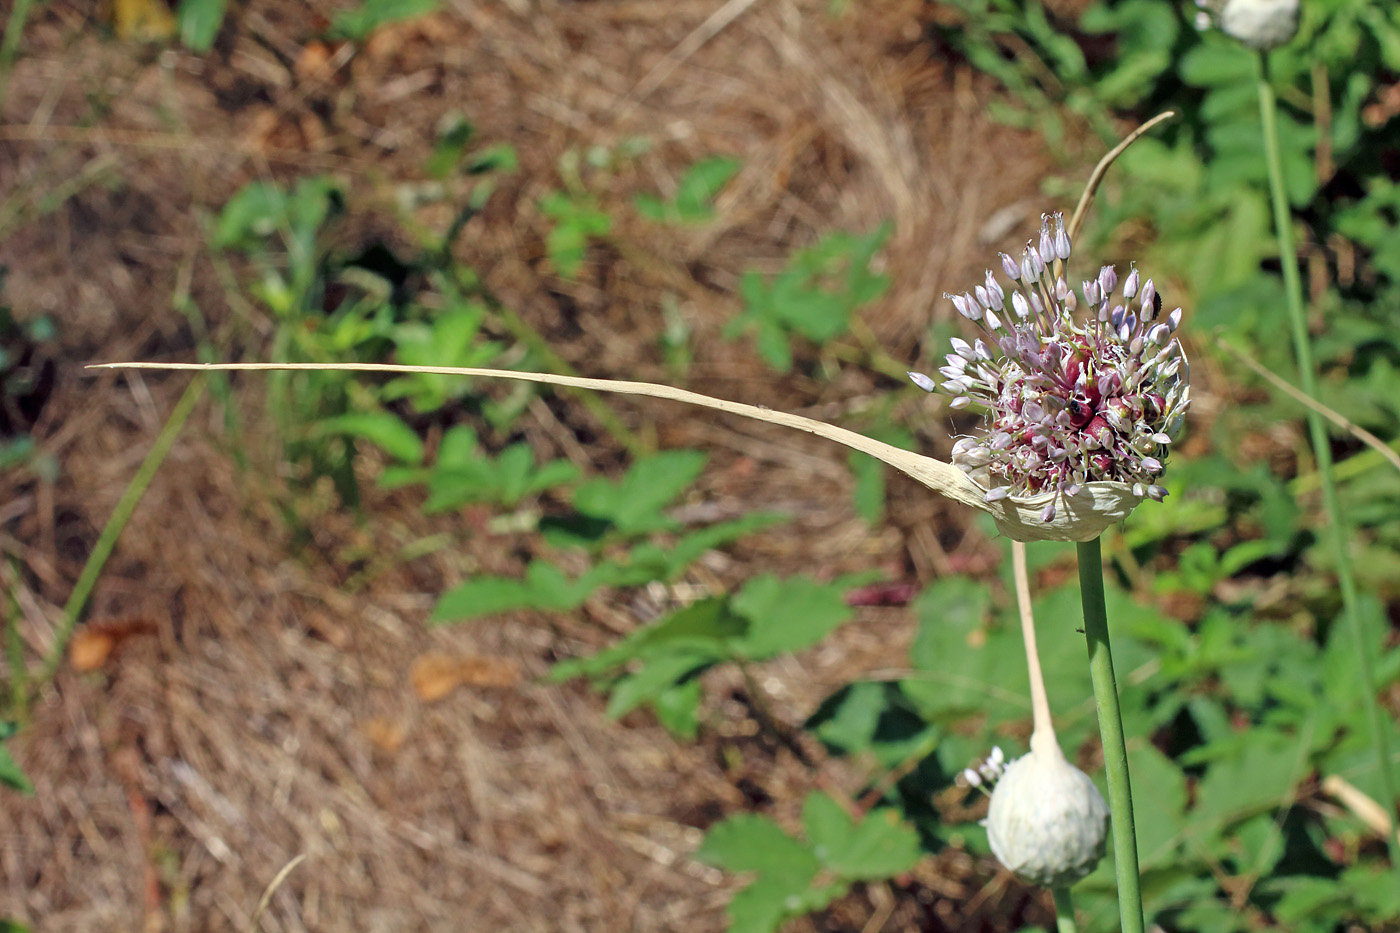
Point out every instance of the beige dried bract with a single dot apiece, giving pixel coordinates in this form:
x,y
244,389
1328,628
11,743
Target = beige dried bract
x,y
1081,517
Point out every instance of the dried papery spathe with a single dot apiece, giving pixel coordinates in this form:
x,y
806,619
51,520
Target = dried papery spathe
x,y
1048,823
1078,517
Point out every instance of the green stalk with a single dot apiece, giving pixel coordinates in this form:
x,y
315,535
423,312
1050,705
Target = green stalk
x,y
1115,751
107,540
1064,911
9,44
1338,531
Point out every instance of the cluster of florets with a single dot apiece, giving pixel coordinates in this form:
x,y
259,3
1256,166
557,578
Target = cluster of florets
x,y
989,771
1066,403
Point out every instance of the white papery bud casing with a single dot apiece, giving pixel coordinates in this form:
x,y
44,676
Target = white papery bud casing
x,y
1259,24
1048,822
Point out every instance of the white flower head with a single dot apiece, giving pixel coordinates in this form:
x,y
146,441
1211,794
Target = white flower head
x,y
1259,24
1048,823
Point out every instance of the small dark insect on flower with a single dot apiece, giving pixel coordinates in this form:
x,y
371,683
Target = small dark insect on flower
x,y
1067,403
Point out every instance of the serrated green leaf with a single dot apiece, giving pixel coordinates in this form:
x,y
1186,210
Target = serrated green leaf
x,y
704,622
544,587
690,547
381,428
747,842
200,21
656,675
635,502
787,615
678,709
879,846
11,774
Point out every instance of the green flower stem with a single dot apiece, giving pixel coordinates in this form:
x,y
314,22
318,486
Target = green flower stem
x,y
1339,533
1115,752
1064,911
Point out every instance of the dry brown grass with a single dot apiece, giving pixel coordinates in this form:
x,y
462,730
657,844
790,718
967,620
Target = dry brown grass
x,y
272,712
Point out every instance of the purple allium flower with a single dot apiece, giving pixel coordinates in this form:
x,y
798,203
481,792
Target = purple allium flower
x,y
1067,402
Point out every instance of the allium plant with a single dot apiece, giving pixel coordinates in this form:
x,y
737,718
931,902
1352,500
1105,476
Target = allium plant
x,y
1072,399
1080,415
1068,401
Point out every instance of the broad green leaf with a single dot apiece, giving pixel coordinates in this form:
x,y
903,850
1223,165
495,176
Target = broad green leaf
x,y
788,615
359,22
706,621
1255,771
544,587
1161,822
879,846
635,501
690,547
255,212
386,430
869,490
11,774
747,842
200,21
655,676
874,718
678,709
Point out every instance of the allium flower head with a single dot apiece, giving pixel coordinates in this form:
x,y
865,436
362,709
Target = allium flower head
x,y
1070,399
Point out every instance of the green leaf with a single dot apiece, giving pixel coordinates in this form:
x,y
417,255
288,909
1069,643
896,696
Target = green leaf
x,y
873,718
690,547
764,905
704,622
381,428
200,21
746,842
702,181
1252,772
544,587
788,615
869,490
359,22
678,709
255,212
694,195
634,502
1159,826
11,775
656,676
880,846
1217,61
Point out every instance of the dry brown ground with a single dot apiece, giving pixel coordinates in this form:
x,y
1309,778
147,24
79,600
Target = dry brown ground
x,y
268,710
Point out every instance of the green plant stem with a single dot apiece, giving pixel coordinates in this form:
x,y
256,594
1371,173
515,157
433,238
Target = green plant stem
x,y
1115,751
9,45
1064,911
1338,531
107,540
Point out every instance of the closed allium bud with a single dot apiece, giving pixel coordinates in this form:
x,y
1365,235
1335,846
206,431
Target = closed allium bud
x,y
1048,822
1259,24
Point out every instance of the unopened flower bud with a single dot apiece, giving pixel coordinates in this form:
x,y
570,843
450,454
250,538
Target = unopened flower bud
x,y
1259,24
1048,822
